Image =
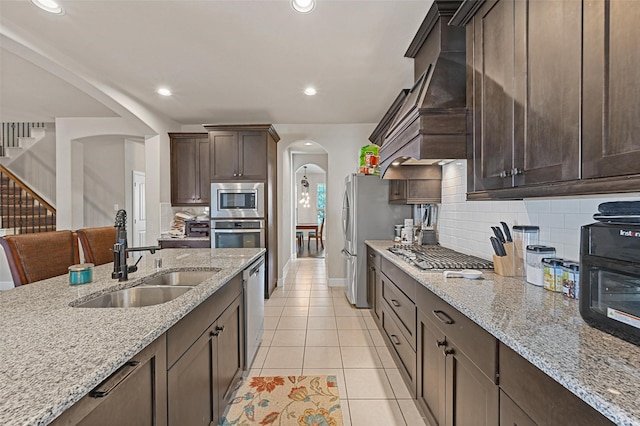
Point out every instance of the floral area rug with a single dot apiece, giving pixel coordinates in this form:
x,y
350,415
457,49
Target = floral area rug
x,y
292,400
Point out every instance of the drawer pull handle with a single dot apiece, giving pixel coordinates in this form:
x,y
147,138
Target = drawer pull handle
x,y
395,339
443,317
448,352
116,378
395,303
372,256
441,342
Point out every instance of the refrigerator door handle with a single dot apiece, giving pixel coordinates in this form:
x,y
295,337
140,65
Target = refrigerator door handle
x,y
345,254
345,214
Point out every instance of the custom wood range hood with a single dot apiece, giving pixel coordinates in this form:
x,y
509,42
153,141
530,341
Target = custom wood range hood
x,y
430,124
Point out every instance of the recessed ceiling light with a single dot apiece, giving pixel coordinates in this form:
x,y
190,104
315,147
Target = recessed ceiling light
x,y
49,5
310,91
303,6
164,91
308,143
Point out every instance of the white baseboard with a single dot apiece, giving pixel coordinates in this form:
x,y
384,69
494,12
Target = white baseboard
x,y
337,282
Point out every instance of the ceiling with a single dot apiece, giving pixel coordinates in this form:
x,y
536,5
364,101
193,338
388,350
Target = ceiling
x,y
226,61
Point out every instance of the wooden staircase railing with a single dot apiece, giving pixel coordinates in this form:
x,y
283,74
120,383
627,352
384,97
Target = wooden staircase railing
x,y
21,209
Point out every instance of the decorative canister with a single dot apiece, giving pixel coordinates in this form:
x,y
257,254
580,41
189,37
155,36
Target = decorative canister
x,y
571,280
81,274
552,274
535,271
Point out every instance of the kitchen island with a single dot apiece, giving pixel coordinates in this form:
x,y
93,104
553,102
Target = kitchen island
x,y
52,354
546,330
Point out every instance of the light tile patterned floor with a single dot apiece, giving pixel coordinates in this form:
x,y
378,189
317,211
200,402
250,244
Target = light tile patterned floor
x,y
311,328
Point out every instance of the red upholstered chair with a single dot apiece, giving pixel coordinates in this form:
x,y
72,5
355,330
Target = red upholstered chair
x,y
97,244
35,257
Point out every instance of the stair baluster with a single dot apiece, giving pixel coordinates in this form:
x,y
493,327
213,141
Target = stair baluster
x,y
21,209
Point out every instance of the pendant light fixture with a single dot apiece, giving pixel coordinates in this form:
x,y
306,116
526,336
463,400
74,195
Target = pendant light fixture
x,y
304,193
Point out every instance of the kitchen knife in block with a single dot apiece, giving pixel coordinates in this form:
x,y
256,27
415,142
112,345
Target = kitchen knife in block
x,y
504,265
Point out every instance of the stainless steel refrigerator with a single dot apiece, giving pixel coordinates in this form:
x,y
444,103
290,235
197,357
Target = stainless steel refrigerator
x,y
366,215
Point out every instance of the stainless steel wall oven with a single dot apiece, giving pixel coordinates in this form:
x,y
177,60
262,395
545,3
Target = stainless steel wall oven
x,y
237,233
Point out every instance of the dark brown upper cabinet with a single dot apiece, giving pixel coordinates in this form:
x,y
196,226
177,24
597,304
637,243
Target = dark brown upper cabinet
x,y
239,152
190,182
525,97
547,116
611,104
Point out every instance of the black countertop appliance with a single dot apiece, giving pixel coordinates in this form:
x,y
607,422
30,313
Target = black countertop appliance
x,y
610,278
197,228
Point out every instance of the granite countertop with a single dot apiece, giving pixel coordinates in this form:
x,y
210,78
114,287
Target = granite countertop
x,y
52,354
546,329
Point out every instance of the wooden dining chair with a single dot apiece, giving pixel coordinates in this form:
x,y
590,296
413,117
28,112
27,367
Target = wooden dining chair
x,y
97,244
299,238
316,235
42,255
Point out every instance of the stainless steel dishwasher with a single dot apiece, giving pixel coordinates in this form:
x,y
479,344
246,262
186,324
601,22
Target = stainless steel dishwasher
x,y
253,280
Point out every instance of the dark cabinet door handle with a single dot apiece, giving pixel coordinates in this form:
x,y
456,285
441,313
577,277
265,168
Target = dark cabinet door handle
x,y
395,303
443,317
214,333
395,339
114,380
448,352
220,328
441,342
372,256
239,174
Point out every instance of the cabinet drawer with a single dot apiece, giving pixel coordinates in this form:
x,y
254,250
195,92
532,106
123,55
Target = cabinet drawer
x,y
373,257
403,350
404,309
189,328
476,343
400,278
543,399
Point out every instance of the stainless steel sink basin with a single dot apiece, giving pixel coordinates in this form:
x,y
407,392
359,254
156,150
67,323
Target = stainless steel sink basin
x,y
180,278
135,297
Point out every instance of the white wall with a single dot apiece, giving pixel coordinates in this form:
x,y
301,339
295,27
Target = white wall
x,y
465,225
103,179
342,143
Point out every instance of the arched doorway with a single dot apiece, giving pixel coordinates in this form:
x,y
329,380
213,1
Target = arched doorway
x,y
310,210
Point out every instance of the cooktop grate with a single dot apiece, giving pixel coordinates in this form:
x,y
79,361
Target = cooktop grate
x,y
433,257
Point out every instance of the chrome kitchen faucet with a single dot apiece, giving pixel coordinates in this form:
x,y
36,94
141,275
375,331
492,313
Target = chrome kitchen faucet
x,y
120,249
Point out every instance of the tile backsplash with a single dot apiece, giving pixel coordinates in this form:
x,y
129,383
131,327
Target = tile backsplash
x,y
465,226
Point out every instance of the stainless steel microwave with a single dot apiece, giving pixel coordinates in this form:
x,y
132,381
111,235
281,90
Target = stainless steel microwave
x,y
610,279
237,200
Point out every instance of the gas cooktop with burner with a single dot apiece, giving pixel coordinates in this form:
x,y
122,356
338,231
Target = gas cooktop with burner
x,y
432,257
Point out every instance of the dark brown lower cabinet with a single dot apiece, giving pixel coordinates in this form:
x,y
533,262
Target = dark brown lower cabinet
x,y
134,395
374,283
451,388
200,382
511,414
543,400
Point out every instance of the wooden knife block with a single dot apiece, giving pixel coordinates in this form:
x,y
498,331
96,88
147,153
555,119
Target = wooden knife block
x,y
505,265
